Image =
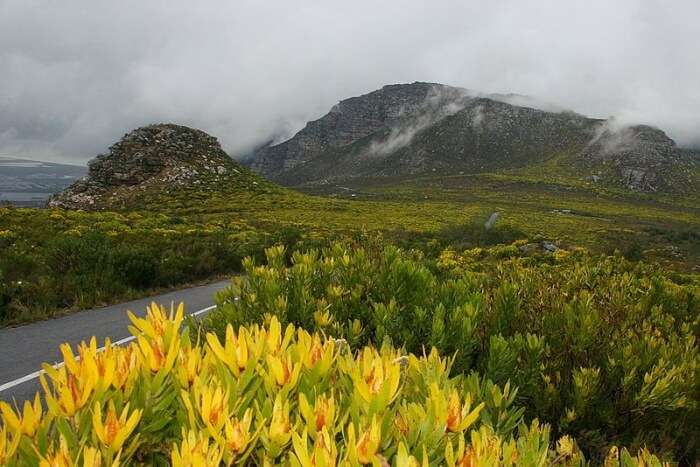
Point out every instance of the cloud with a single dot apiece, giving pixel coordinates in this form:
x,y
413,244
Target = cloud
x,y
440,102
613,136
77,75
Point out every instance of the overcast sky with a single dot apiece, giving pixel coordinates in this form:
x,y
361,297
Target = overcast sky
x,y
77,74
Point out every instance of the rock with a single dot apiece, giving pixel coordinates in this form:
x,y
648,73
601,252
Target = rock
x,y
493,218
529,248
548,246
165,155
349,121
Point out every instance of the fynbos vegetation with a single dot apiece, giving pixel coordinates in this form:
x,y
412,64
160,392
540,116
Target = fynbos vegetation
x,y
272,394
601,349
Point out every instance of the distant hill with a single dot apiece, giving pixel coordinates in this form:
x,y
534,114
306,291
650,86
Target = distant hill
x,y
410,129
24,175
158,164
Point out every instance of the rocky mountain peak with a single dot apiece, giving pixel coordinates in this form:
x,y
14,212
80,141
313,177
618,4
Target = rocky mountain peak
x,y
350,120
409,129
166,155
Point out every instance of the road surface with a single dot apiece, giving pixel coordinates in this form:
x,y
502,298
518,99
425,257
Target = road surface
x,y
23,349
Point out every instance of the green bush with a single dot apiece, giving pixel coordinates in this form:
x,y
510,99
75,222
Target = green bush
x,y
601,348
136,267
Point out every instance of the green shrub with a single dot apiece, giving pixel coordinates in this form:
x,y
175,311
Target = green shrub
x,y
602,349
137,268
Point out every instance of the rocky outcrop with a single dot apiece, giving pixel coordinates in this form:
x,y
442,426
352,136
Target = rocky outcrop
x,y
351,120
162,155
427,128
640,157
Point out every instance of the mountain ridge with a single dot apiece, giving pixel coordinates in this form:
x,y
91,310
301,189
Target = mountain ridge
x,y
416,128
21,175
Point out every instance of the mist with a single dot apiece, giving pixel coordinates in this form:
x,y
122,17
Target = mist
x,y
75,76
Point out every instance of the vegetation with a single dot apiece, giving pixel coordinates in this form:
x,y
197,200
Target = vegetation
x,y
603,349
267,395
554,358
57,260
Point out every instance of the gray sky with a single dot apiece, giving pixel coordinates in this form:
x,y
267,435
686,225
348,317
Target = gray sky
x,y
77,74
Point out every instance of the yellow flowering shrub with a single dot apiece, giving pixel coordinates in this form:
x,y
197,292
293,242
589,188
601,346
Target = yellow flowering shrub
x,y
267,395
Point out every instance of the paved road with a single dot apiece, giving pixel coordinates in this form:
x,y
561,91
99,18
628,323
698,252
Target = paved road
x,y
23,349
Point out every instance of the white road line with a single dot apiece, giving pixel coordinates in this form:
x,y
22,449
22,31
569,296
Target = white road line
x,y
31,376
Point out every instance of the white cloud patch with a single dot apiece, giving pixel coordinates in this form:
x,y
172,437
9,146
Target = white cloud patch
x,y
440,103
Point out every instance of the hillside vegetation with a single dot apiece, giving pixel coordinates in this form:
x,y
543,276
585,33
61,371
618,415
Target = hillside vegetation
x,y
273,395
54,260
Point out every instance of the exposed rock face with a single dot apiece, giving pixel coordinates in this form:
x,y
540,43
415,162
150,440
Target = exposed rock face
x,y
641,156
418,128
165,155
351,120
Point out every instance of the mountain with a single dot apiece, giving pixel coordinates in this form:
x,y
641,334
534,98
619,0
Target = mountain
x,y
419,128
24,175
157,163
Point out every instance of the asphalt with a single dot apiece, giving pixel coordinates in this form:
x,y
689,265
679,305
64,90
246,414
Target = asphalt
x,y
23,349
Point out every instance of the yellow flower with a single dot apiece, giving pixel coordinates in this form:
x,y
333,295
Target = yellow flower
x,y
195,451
335,291
71,392
455,416
322,317
275,342
189,364
459,417
237,434
279,432
468,459
401,424
155,354
283,371
234,353
465,456
115,430
613,457
321,416
404,459
376,377
8,445
323,454
313,352
127,364
213,408
30,419
157,323
158,336
93,458
566,446
57,457
365,449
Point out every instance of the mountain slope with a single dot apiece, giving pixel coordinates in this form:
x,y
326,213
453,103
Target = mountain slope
x,y
349,121
157,164
419,128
